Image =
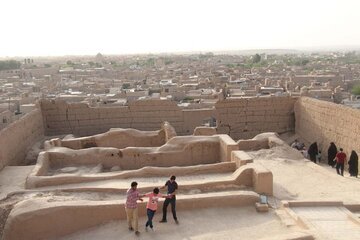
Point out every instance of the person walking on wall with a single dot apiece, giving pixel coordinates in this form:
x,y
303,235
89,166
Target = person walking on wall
x,y
340,161
172,186
151,206
313,151
131,208
332,150
353,164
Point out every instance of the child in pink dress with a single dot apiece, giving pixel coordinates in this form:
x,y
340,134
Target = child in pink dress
x,y
151,206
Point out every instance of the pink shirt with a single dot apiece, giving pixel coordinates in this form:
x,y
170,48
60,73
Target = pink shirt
x,y
153,200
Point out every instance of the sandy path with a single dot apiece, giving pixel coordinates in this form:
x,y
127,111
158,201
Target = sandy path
x,y
221,223
301,179
142,182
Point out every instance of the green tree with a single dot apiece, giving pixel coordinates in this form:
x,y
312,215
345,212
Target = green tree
x,y
356,90
9,65
304,62
150,62
126,85
168,61
69,63
256,58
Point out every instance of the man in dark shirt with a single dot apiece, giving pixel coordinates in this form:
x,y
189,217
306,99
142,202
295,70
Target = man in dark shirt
x,y
172,186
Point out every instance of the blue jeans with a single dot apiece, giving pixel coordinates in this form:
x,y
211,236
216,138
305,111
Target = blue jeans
x,y
150,214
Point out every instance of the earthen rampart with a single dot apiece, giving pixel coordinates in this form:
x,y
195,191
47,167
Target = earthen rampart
x,y
18,137
82,120
245,118
326,122
240,118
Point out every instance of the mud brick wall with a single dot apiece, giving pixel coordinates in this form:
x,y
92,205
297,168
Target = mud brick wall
x,y
326,122
150,114
82,120
240,118
194,118
18,137
245,118
79,119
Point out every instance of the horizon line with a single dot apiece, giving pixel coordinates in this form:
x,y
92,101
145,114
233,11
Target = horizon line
x,y
189,52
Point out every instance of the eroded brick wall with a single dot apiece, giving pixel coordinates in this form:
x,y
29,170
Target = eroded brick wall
x,y
245,118
326,122
240,118
18,137
82,120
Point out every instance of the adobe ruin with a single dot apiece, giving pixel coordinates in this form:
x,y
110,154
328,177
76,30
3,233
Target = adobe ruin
x,y
82,180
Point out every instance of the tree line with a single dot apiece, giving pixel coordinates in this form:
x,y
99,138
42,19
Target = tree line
x,y
9,65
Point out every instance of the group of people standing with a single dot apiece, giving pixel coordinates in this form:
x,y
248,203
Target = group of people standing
x,y
313,152
336,159
133,195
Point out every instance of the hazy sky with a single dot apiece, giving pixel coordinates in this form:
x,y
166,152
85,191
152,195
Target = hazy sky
x,y
71,27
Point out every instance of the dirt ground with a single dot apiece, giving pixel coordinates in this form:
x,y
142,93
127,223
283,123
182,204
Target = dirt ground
x,y
221,223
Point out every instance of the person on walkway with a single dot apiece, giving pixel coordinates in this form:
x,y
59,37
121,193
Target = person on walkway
x,y
296,144
172,186
151,206
131,208
304,152
340,161
318,157
353,164
332,150
313,151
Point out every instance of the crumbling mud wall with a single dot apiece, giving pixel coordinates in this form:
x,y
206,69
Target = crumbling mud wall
x,y
33,217
82,120
240,118
115,137
245,118
326,122
18,137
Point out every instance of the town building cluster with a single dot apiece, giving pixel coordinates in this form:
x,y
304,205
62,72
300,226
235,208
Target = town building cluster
x,y
194,81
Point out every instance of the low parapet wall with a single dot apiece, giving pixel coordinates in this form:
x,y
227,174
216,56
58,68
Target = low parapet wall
x,y
169,131
255,176
253,144
178,151
241,158
115,137
204,131
250,175
41,219
37,179
227,145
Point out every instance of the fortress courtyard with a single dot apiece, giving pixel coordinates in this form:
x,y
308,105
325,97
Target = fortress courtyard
x,y
66,169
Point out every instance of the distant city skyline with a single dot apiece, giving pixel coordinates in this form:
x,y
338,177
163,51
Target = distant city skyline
x,y
56,28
